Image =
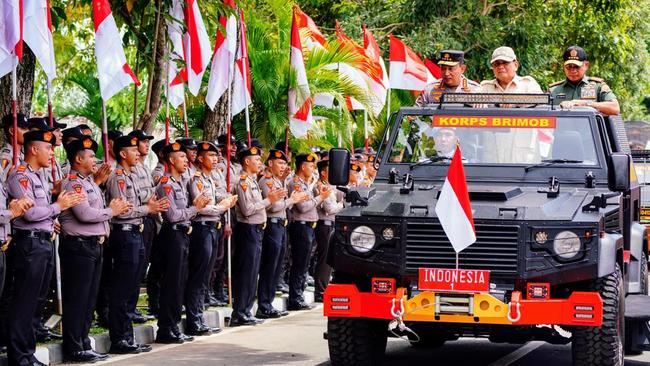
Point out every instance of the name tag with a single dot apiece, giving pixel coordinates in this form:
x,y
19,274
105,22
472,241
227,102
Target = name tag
x,y
588,92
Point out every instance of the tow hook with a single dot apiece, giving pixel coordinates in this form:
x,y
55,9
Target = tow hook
x,y
514,308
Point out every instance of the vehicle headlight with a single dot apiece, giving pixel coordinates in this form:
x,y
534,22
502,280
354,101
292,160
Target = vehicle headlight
x,y
566,244
362,239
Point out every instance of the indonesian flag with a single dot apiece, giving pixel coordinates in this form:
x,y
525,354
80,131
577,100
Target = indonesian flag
x,y
453,208
379,83
358,76
176,88
11,32
224,56
241,96
114,73
300,117
433,68
37,34
197,46
407,71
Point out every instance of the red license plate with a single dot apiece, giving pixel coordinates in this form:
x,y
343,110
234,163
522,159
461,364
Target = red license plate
x,y
443,279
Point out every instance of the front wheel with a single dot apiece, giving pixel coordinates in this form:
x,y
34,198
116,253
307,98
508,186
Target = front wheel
x,y
603,346
356,341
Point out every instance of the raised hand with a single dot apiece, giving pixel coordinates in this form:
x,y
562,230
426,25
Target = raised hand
x,y
157,206
119,206
201,201
102,173
276,195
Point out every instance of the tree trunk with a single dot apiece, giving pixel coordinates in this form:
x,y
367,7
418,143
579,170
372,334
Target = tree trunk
x,y
215,121
24,86
158,69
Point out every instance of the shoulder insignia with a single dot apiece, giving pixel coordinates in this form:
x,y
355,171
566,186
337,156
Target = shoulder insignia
x,y
72,177
22,168
267,176
465,85
77,188
296,187
269,184
605,88
555,83
164,179
168,190
244,186
24,182
199,185
197,174
5,162
243,177
121,183
598,80
119,171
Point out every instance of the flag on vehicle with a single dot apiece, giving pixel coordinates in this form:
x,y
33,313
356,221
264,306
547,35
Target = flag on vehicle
x,y
225,48
37,33
407,70
11,34
379,83
177,73
114,72
241,95
197,46
453,207
300,117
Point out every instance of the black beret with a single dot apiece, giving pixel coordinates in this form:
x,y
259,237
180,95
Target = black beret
x,y
187,143
253,151
282,146
72,132
124,142
222,139
322,165
86,143
172,148
113,134
158,146
39,123
206,146
257,143
39,135
277,154
305,158
140,135
84,126
8,120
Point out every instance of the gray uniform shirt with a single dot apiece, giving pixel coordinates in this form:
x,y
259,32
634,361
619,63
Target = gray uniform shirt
x,y
121,183
251,206
5,215
279,208
306,210
90,217
26,182
158,172
6,160
235,172
202,183
145,183
174,190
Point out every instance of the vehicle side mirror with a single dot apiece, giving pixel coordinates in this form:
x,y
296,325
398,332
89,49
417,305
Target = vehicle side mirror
x,y
339,167
618,178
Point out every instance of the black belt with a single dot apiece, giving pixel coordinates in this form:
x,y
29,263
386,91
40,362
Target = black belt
x,y
311,224
187,229
216,224
326,222
129,227
98,238
43,235
278,220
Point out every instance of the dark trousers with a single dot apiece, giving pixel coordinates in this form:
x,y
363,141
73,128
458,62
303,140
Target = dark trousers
x,y
104,293
148,232
273,246
174,252
220,268
46,291
154,275
3,271
81,269
127,251
216,259
202,242
322,271
247,243
31,258
302,239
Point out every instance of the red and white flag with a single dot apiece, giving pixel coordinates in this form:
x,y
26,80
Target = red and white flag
x,y
197,46
358,76
241,96
407,71
379,83
221,74
11,34
300,117
114,73
433,68
177,73
37,34
453,207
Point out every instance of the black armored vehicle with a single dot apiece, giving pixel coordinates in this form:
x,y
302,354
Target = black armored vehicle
x,y
560,255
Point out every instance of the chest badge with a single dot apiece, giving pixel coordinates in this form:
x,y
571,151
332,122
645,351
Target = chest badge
x,y
588,92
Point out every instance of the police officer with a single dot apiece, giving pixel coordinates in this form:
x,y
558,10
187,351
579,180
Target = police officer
x,y
189,146
112,136
216,295
251,218
204,238
41,123
126,245
7,152
159,170
235,167
579,90
175,241
84,229
154,271
304,216
8,212
275,234
452,66
31,250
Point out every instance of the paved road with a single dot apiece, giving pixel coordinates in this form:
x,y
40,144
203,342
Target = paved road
x,y
298,340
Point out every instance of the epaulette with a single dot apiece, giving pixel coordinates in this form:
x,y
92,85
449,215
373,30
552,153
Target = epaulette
x,y
243,177
21,169
72,176
555,83
593,78
164,179
197,174
267,176
119,171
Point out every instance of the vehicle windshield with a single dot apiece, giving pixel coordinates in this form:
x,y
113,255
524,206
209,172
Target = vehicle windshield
x,y
495,140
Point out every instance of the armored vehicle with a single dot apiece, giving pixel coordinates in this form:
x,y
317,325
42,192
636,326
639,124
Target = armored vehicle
x,y
560,255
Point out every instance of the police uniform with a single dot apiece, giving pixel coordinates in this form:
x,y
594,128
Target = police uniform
x,y
220,256
433,91
174,250
188,144
203,242
84,229
274,242
154,272
304,217
31,253
5,227
126,251
248,234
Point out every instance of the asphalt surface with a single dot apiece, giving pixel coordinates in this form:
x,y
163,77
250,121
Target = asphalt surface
x,y
298,340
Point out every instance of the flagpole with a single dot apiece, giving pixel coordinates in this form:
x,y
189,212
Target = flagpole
x,y
105,131
51,122
228,187
187,129
388,116
365,129
245,75
14,110
167,104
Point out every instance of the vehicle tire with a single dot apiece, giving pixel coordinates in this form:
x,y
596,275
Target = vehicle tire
x,y
356,341
629,348
603,346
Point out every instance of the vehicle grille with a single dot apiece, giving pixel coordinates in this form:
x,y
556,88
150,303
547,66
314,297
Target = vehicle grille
x,y
612,221
496,248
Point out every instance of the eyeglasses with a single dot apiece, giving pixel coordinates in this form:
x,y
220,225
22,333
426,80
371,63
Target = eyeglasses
x,y
499,63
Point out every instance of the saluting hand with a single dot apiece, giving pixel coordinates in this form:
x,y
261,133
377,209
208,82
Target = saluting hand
x,y
119,206
69,199
156,206
276,195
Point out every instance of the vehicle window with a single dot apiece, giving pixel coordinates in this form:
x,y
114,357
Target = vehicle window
x,y
495,139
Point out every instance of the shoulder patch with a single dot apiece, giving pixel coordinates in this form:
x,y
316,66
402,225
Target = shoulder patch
x,y
77,188
269,184
72,176
5,162
555,83
598,80
199,185
24,182
21,169
244,186
168,190
296,187
164,179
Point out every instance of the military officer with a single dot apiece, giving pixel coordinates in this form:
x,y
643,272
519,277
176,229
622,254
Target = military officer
x,y
175,242
327,211
304,217
251,218
204,238
452,66
31,250
579,90
126,244
7,152
84,229
275,234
